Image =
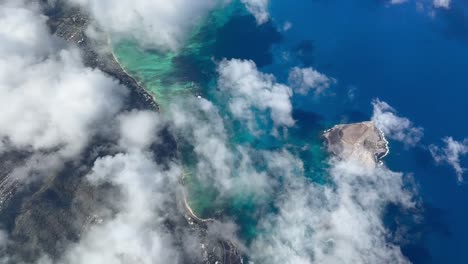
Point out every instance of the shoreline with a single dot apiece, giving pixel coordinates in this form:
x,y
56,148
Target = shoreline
x,y
192,214
386,144
187,207
379,151
147,93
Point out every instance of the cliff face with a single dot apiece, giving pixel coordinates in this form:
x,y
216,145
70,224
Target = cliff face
x,y
360,142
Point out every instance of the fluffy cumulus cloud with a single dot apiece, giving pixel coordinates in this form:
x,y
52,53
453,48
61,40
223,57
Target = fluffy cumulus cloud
x,y
451,154
259,8
159,23
24,33
139,129
395,127
134,226
426,6
396,2
250,90
44,111
442,4
218,163
148,191
340,224
49,101
136,233
155,23
203,128
304,80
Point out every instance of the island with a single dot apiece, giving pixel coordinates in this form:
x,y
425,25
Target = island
x,y
359,142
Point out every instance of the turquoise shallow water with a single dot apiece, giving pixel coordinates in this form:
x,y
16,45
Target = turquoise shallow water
x,y
191,71
169,75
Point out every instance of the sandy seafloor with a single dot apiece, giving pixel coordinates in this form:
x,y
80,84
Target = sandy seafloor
x,y
416,60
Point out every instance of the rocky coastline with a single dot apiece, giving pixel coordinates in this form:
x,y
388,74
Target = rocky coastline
x,y
361,142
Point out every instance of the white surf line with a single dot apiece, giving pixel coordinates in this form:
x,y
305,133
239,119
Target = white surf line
x,y
382,134
386,143
186,204
192,214
149,93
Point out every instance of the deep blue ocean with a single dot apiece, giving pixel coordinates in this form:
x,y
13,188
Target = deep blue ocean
x,y
417,61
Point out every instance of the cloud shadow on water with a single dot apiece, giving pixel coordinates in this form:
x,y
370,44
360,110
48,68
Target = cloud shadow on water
x,y
304,52
456,21
411,228
242,38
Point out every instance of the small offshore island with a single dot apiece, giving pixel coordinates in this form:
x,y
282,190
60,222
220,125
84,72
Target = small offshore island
x,y
361,142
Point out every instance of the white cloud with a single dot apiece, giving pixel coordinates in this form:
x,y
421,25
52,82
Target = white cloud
x,y
258,8
136,233
202,127
341,224
396,2
287,26
149,193
219,164
442,4
49,102
139,129
426,6
248,90
24,33
451,154
395,127
159,24
63,109
304,80
155,23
